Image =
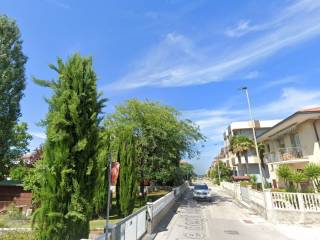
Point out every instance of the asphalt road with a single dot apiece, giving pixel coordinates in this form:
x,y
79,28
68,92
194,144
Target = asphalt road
x,y
222,219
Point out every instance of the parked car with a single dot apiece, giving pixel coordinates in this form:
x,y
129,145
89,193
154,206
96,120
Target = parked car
x,y
202,192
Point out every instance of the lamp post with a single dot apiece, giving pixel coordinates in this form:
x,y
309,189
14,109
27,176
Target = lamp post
x,y
218,165
245,89
108,198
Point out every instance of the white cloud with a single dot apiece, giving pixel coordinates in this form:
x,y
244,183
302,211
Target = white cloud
x,y
178,61
242,28
282,81
40,135
252,75
290,101
213,122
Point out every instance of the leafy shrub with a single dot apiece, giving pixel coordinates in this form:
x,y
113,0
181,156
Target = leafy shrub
x,y
278,190
253,179
14,213
3,224
267,185
291,189
245,183
17,235
308,190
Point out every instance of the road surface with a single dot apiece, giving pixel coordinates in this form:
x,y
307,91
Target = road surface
x,y
222,219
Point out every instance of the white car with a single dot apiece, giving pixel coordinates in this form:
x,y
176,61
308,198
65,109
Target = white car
x,y
202,192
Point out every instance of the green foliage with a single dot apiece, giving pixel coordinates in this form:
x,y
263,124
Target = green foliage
x,y
187,171
14,235
68,176
245,183
162,139
19,173
33,179
12,85
253,179
14,213
240,145
101,193
225,172
312,172
128,173
298,177
284,172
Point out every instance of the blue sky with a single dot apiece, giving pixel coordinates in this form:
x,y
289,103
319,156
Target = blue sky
x,y
193,55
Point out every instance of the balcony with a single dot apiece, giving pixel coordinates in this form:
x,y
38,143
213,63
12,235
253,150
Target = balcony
x,y
285,154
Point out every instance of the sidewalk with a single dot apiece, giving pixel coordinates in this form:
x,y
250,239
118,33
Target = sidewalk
x,y
294,232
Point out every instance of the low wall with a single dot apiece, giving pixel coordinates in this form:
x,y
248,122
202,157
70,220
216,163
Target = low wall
x,y
167,201
293,217
145,219
278,207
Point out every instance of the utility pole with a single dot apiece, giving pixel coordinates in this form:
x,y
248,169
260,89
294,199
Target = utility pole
x,y
108,198
218,164
245,89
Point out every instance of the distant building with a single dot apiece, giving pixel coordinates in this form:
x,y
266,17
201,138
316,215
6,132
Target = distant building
x,y
293,141
231,160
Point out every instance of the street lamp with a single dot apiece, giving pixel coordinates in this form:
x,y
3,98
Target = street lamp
x,y
108,198
245,89
218,165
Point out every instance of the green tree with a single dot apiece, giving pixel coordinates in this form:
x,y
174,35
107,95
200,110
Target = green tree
x,y
162,138
312,172
12,84
298,177
187,171
19,173
240,145
67,186
284,172
128,173
225,172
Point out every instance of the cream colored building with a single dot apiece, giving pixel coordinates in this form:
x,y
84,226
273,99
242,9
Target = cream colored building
x,y
231,160
293,141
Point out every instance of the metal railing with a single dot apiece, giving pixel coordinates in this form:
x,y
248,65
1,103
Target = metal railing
x,y
284,154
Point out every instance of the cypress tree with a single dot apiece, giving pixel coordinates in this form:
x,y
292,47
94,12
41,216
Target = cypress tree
x,y
12,84
128,174
70,152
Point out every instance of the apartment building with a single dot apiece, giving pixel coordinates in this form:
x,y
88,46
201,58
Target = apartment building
x,y
231,160
293,141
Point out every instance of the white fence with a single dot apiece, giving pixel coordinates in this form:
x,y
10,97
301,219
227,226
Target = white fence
x,y
304,202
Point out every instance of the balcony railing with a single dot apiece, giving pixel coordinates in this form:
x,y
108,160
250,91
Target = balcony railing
x,y
284,154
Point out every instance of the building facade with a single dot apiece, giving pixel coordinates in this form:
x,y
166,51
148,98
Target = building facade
x,y
231,160
293,141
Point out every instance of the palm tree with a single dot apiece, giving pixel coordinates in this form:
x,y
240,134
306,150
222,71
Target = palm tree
x,y
312,171
235,148
240,145
285,173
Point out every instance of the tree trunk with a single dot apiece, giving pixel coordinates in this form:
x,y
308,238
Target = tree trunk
x,y
246,159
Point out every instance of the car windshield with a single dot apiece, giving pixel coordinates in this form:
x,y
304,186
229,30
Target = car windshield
x,y
201,187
